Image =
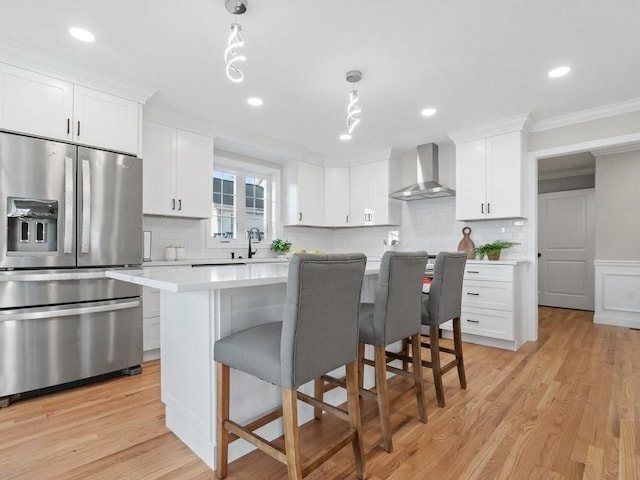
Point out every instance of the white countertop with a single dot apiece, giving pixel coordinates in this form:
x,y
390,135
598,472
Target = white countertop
x,y
496,262
219,261
212,278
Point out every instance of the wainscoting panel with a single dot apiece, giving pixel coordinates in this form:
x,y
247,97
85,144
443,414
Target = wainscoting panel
x,y
617,293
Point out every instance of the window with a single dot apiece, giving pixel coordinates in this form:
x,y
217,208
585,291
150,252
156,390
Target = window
x,y
223,218
254,216
244,199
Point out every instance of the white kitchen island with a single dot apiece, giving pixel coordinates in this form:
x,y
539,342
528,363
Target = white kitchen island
x,y
199,306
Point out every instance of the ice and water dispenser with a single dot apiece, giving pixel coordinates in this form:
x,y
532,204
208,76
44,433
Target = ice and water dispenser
x,y
32,225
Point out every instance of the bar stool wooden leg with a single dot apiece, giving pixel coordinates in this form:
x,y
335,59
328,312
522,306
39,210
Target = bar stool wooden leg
x,y
222,415
361,365
290,425
405,354
434,342
457,346
319,395
417,377
382,395
353,405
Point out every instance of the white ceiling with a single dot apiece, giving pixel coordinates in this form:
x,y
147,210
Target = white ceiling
x,y
475,61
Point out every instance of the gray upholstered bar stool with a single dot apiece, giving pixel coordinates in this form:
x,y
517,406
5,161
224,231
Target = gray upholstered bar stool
x,y
444,303
395,315
318,333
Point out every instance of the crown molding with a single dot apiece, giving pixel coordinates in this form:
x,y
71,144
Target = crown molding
x,y
517,123
45,64
259,146
576,172
587,115
172,118
633,147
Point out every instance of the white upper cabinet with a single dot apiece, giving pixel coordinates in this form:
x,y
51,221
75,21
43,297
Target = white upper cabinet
x,y
489,173
336,196
35,104
105,120
369,195
44,106
471,180
178,168
305,194
340,196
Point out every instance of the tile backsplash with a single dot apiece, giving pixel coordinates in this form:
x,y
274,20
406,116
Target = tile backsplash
x,y
430,225
425,225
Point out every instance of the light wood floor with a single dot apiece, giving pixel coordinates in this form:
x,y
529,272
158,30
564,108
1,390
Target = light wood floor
x,y
565,407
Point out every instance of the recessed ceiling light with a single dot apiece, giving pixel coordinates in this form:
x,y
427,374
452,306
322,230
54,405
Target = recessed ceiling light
x,y
82,34
559,72
255,101
427,112
345,137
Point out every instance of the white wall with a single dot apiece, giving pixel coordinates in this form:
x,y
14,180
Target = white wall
x,y
617,218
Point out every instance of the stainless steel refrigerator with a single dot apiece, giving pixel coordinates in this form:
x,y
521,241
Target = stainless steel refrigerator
x,y
69,212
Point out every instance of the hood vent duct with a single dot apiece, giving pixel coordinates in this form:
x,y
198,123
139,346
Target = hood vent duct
x,y
426,172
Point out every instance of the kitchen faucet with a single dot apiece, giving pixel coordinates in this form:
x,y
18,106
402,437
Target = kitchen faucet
x,y
250,233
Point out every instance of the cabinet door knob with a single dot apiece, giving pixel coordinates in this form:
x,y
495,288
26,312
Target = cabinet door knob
x,y
78,127
488,208
473,321
482,208
180,204
300,216
173,204
68,126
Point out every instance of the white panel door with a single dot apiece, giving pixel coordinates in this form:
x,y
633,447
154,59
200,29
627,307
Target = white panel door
x,y
504,160
566,243
194,175
105,121
336,196
159,176
378,193
35,104
471,174
310,194
359,194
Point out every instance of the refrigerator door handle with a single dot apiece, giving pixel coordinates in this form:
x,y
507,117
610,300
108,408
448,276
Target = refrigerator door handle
x,y
69,196
48,313
86,206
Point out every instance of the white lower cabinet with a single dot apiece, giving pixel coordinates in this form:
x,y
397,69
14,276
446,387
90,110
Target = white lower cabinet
x,y
492,304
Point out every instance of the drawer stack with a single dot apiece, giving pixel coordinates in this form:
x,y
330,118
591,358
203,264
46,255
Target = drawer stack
x,y
489,302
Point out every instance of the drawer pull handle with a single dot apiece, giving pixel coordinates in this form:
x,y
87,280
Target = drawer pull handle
x,y
473,321
474,294
472,271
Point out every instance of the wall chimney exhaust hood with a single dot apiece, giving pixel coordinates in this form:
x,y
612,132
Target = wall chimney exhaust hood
x,y
426,171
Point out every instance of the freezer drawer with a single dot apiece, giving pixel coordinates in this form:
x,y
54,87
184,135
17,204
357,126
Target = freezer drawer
x,y
47,346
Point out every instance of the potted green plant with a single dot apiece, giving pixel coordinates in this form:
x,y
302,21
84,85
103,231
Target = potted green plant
x,y
492,250
280,247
